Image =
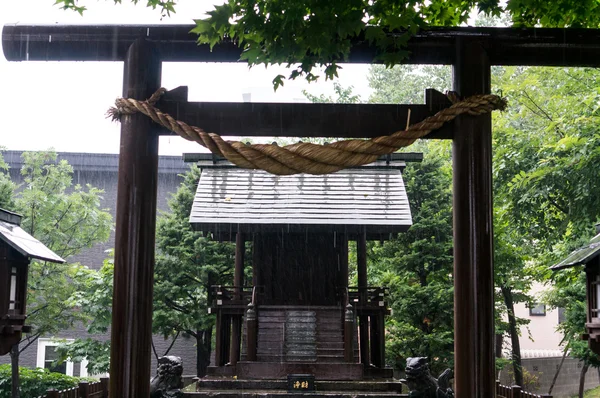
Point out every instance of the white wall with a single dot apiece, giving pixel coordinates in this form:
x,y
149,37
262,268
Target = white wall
x,y
542,328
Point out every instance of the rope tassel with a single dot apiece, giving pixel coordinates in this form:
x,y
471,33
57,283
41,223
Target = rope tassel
x,y
305,157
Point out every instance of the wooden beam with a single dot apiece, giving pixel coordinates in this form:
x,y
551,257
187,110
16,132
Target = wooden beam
x,y
473,267
505,46
377,337
135,232
303,119
363,320
238,282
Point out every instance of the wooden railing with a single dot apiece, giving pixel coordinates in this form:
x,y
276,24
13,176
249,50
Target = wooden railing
x,y
83,390
372,296
503,391
231,296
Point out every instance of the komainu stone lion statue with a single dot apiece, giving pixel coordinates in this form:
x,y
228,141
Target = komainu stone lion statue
x,y
168,382
422,384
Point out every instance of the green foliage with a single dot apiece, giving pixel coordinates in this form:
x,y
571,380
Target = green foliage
x,y
546,188
7,187
34,382
166,6
547,155
94,298
344,96
310,33
66,219
187,265
406,84
97,353
417,268
315,33
569,293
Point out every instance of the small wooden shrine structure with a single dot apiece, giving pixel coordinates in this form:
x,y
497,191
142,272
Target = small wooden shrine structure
x,y
17,248
302,312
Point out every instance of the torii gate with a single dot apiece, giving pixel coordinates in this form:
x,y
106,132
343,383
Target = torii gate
x,y
471,52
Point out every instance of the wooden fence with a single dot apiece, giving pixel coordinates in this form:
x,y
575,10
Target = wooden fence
x,y
83,390
503,391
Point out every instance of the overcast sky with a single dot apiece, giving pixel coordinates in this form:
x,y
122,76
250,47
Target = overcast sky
x,y
62,104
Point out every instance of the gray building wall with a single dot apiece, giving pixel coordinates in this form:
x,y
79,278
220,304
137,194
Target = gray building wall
x,y
100,171
567,383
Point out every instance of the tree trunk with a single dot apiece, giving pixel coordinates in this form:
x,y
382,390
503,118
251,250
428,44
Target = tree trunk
x,y
582,379
498,350
14,362
559,368
514,335
203,351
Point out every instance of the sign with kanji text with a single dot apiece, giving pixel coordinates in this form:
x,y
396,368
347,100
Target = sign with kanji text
x,y
299,383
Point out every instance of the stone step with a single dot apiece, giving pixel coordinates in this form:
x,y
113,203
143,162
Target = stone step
x,y
287,358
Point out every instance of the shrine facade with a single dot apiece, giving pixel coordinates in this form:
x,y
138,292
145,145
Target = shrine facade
x,y
298,313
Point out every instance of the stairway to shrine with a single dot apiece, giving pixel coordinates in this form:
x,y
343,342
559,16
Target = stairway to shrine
x,y
300,334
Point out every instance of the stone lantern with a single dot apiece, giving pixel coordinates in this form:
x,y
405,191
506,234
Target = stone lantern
x,y
17,248
589,256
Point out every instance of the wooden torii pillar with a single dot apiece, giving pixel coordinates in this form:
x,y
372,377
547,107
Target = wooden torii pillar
x,y
131,334
471,51
474,365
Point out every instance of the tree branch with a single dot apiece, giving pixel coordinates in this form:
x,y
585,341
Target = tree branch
x,y
557,206
172,343
30,341
37,310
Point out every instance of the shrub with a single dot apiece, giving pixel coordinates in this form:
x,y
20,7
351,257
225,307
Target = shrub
x,y
34,382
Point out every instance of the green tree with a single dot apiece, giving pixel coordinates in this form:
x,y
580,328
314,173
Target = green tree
x,y
545,171
94,298
406,84
7,187
66,218
547,153
187,265
344,96
417,268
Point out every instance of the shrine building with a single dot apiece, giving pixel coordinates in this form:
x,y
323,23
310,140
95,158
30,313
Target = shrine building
x,y
297,314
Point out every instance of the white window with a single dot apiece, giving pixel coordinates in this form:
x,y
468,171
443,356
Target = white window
x,y
46,355
12,301
537,309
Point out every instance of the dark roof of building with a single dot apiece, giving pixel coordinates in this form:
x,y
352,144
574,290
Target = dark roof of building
x,y
100,161
21,241
366,199
581,256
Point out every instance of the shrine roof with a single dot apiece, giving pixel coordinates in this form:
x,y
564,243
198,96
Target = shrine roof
x,y
21,241
580,256
370,199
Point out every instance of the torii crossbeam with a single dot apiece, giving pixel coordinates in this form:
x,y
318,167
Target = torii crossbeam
x,y
471,52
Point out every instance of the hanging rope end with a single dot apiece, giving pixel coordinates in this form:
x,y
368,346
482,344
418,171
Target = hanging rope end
x,y
113,114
